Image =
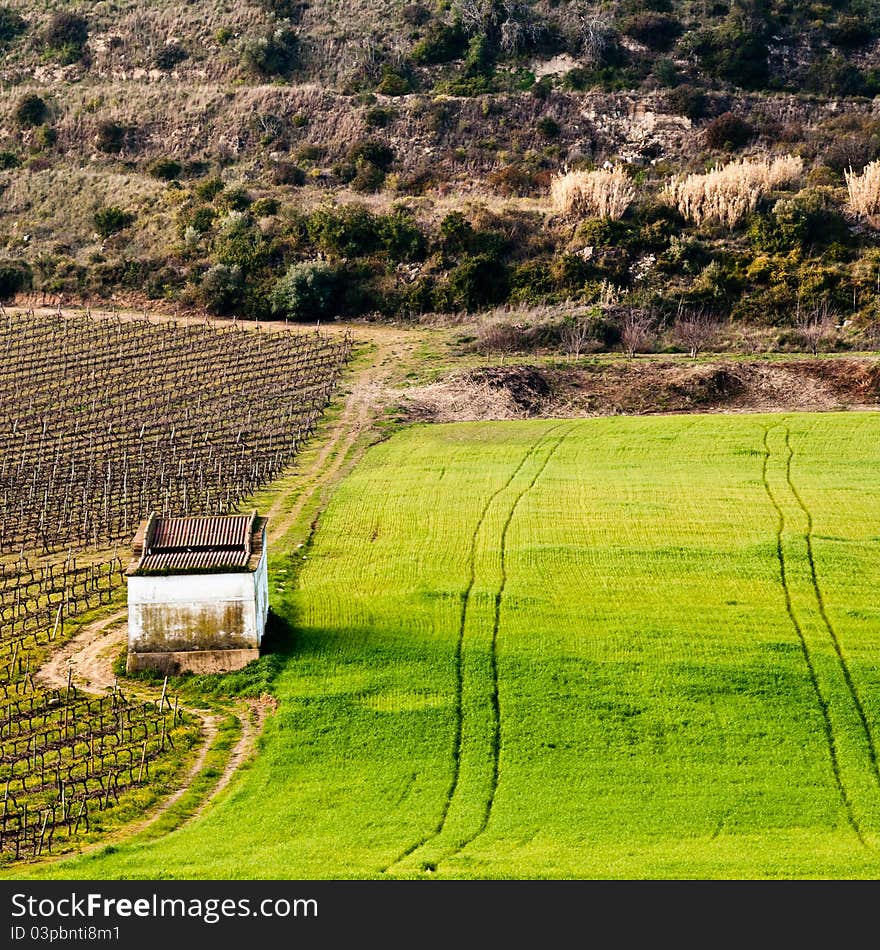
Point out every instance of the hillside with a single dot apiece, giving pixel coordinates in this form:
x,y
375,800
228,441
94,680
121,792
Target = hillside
x,y
309,160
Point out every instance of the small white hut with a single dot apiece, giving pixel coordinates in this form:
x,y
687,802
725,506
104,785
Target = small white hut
x,y
198,593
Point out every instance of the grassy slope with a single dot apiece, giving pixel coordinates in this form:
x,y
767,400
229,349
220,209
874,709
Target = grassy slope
x,y
661,714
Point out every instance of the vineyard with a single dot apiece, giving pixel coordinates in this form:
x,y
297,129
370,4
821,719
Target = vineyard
x,y
102,421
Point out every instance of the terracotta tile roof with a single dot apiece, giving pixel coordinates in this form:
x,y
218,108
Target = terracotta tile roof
x,y
198,545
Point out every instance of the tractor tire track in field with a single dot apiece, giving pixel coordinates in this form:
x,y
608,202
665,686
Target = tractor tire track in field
x,y
458,733
822,702
826,620
493,657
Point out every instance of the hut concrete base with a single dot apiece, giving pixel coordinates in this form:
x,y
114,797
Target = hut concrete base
x,y
191,661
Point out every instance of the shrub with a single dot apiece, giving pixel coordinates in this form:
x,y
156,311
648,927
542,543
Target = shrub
x,y
480,281
729,193
348,231
209,188
9,160
263,207
513,180
170,55
850,32
688,101
287,173
442,42
165,169
401,236
735,53
30,110
236,199
221,290
111,219
415,14
274,54
657,31
111,136
601,193
12,25
728,131
372,151
239,242
809,219
284,9
393,82
15,276
66,35
307,291
864,191
547,127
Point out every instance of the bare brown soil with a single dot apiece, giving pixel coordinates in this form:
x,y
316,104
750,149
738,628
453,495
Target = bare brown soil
x,y
647,386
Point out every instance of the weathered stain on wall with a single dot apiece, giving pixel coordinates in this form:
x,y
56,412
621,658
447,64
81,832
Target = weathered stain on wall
x,y
198,626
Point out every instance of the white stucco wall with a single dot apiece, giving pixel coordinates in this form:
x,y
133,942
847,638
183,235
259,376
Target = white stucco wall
x,y
197,611
261,591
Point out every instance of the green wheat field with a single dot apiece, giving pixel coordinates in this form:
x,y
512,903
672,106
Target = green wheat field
x,y
603,648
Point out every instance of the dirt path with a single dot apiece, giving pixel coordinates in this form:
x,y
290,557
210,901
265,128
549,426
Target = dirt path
x,y
88,659
370,392
88,655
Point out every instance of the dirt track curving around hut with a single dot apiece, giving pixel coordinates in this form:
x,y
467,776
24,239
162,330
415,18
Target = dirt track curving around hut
x,y
87,659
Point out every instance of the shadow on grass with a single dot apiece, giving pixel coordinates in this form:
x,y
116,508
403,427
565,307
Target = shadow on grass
x,y
252,681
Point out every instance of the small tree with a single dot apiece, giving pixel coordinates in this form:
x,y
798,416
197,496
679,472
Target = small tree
x,y
696,329
815,326
636,331
576,335
308,291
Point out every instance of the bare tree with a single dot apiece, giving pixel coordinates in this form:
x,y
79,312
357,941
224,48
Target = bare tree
x,y
596,32
576,335
871,335
696,329
636,331
815,326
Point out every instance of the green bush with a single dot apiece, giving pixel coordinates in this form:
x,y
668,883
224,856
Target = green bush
x,y
347,231
688,101
236,199
733,52
442,43
808,220
264,207
239,242
221,290
165,169
477,282
547,127
9,160
110,219
401,237
30,110
307,291
275,54
15,277
209,188
65,36
111,136
394,82
12,25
